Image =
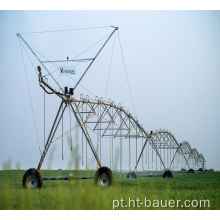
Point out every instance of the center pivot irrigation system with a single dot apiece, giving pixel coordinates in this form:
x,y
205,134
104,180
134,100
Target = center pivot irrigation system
x,y
103,124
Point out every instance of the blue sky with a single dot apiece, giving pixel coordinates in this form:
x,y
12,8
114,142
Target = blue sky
x,y
172,61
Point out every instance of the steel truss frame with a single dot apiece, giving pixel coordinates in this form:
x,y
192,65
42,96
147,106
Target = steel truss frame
x,y
113,121
192,157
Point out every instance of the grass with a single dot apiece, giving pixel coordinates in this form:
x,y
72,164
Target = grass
x,y
83,195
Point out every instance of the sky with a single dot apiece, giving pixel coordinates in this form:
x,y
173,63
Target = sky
x,y
171,60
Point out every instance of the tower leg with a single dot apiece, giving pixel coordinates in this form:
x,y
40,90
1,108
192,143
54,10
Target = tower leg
x,y
52,133
82,125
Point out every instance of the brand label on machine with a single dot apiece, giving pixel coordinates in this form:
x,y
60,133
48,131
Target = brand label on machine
x,y
64,70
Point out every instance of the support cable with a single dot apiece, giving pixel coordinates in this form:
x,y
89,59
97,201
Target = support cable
x,y
30,99
136,145
126,74
97,149
112,140
181,162
65,30
148,156
170,157
120,143
86,142
100,124
109,70
44,118
129,147
71,142
82,135
110,150
161,156
142,156
152,158
82,86
164,156
62,134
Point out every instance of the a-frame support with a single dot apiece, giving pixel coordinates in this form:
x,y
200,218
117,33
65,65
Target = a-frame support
x,y
66,100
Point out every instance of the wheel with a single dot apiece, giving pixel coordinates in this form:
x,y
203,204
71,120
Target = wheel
x,y
191,171
183,169
168,174
32,179
103,177
200,170
131,175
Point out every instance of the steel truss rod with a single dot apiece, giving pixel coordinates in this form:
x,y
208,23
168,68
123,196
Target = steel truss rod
x,y
115,28
82,125
18,35
62,61
140,154
52,133
85,121
177,151
151,141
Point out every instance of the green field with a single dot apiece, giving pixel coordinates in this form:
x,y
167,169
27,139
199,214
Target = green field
x,y
82,194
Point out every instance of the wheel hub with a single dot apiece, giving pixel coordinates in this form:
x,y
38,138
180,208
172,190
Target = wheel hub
x,y
32,182
104,180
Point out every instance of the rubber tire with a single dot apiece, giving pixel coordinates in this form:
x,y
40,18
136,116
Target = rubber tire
x,y
182,170
200,170
131,175
99,173
38,178
168,174
191,171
